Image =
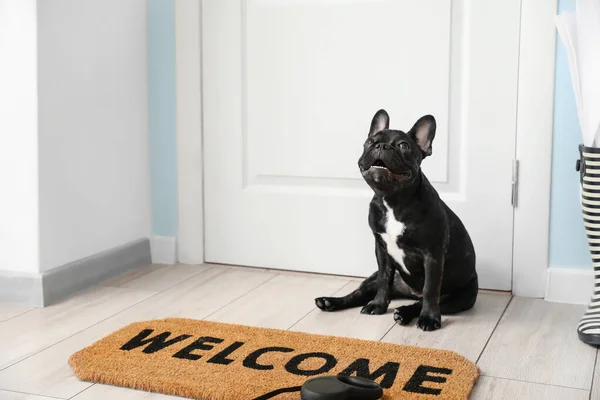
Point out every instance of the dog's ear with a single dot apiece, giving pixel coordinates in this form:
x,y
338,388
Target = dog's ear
x,y
380,121
423,133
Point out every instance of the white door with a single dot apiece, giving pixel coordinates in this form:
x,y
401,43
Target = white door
x,y
289,90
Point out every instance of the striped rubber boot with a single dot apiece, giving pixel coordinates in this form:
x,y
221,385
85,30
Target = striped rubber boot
x,y
588,166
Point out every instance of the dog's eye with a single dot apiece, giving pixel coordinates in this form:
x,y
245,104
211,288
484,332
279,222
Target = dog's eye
x,y
404,146
370,142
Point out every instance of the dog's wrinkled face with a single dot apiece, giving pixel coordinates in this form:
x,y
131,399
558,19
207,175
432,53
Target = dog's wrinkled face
x,y
391,159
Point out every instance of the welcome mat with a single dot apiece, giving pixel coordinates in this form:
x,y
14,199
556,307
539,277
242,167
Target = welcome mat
x,y
215,361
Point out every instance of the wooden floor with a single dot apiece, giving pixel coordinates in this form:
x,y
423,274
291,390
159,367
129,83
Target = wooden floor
x,y
526,348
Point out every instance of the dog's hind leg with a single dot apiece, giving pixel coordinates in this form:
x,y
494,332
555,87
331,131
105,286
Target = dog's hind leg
x,y
461,300
360,297
400,290
454,303
404,314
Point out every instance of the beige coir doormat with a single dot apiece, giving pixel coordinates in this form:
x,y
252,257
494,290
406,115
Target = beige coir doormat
x,y
210,361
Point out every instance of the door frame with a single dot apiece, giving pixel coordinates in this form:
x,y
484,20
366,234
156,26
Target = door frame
x,y
533,147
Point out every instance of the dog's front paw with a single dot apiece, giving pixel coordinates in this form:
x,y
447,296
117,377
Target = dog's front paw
x,y
405,314
429,322
374,308
326,303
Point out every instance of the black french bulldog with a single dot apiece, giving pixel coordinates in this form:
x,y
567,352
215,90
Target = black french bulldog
x,y
423,250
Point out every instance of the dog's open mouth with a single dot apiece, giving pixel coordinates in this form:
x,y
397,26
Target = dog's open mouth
x,y
379,164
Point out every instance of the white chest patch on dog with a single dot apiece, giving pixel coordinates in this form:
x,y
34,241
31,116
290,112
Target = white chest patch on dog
x,y
393,230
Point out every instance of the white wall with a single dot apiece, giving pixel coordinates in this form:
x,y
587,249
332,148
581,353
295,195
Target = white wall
x,y
18,137
93,134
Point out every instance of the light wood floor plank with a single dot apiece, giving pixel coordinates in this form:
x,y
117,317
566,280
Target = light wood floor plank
x,y
156,277
10,310
103,392
6,395
489,388
30,332
536,341
279,303
596,380
47,372
465,333
348,323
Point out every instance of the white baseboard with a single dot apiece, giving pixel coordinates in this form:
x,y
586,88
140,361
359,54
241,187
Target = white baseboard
x,y
163,250
569,285
49,287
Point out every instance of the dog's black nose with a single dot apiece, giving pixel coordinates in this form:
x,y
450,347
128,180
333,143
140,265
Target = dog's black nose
x,y
383,146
